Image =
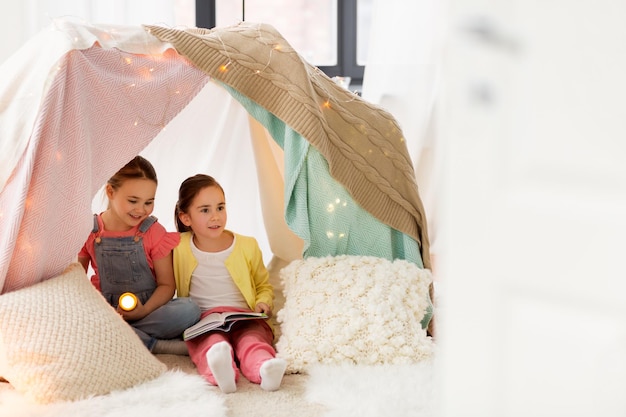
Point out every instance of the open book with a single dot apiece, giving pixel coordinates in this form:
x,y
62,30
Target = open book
x,y
220,321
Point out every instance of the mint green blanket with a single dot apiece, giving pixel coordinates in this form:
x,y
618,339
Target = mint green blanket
x,y
320,211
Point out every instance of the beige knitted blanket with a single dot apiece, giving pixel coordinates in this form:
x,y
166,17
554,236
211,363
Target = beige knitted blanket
x,y
363,144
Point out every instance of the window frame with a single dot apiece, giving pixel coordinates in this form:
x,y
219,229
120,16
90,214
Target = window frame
x,y
346,37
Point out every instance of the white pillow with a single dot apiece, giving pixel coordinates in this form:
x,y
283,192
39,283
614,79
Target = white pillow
x,y
60,340
353,310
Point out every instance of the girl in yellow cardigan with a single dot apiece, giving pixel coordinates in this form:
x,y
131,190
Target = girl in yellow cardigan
x,y
224,271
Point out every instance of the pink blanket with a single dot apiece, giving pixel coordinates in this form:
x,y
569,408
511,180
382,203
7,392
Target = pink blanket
x,y
45,205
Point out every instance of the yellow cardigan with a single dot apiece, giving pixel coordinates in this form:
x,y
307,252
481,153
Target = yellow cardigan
x,y
245,265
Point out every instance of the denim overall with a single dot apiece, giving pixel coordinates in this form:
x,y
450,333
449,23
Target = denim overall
x,y
122,266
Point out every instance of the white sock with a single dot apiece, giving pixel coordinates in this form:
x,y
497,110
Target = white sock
x,y
272,372
220,361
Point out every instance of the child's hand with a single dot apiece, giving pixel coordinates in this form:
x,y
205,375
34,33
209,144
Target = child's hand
x,y
263,308
136,313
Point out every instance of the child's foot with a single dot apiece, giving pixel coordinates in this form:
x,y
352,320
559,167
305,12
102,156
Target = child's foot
x,y
272,372
220,361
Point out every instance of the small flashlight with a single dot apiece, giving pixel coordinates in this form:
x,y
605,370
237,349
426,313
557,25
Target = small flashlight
x,y
128,301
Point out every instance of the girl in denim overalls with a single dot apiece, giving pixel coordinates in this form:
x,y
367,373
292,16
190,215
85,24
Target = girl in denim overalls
x,y
224,271
130,251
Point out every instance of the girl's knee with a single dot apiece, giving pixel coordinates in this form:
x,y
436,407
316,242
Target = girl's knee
x,y
186,307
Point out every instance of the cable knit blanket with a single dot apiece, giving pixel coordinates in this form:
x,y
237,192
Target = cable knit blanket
x,y
362,143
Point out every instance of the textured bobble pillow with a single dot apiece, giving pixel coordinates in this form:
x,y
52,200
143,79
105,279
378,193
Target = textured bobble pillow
x,y
60,340
353,310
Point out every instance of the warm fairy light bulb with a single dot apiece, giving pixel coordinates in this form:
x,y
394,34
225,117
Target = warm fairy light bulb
x,y
128,301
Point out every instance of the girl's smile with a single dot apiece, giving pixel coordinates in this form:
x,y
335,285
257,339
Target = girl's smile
x,y
129,204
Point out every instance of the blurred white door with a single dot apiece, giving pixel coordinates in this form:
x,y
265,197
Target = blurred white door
x,y
534,317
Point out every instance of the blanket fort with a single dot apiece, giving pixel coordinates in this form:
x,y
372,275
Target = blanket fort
x,y
80,100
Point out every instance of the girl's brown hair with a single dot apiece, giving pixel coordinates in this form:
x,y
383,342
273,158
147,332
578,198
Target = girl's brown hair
x,y
138,167
188,190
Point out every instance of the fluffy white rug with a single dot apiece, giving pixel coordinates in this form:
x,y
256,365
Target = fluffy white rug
x,y
327,391
175,393
374,391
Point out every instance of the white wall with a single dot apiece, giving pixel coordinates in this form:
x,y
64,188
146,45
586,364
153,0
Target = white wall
x,y
535,189
13,30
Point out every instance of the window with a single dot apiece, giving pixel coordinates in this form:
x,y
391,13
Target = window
x,y
330,34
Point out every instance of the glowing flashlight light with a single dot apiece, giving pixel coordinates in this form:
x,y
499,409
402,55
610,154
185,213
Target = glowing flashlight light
x,y
128,301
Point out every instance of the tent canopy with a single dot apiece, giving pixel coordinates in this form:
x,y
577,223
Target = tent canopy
x,y
320,170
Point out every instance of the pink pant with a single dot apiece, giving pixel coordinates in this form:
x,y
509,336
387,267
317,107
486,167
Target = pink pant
x,y
251,341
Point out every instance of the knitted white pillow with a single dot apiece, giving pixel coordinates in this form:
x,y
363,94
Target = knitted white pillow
x,y
353,310
60,340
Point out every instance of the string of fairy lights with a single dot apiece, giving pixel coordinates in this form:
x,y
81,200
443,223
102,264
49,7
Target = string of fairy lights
x,y
274,46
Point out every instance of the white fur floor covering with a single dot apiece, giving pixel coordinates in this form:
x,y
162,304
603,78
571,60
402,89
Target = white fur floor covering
x,y
327,391
374,391
174,393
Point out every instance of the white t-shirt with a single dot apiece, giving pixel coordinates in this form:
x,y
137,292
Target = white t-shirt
x,y
211,284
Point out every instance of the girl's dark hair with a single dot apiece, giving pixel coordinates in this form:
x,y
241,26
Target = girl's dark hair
x,y
138,167
188,190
